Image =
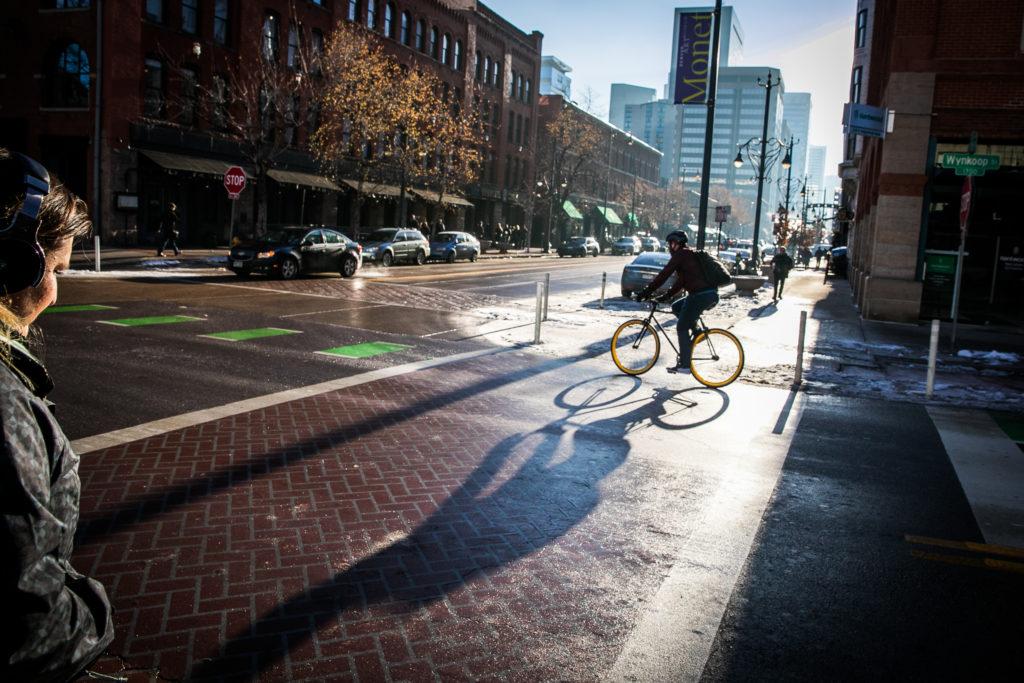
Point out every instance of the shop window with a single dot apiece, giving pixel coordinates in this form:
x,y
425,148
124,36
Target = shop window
x,y
155,10
189,16
220,22
153,89
271,34
404,31
68,78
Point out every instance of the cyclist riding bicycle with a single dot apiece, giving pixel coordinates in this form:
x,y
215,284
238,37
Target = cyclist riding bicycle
x,y
701,294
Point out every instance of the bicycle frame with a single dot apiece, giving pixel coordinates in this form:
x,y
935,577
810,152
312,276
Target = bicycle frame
x,y
701,329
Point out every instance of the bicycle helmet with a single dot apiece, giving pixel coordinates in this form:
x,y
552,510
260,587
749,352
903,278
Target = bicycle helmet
x,y
677,236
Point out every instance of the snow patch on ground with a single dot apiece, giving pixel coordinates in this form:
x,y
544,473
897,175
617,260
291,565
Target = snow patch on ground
x,y
994,357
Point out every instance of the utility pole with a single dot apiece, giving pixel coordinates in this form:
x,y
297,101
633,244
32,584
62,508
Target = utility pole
x,y
767,85
709,130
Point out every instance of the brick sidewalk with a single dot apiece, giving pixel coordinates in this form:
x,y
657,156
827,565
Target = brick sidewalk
x,y
441,524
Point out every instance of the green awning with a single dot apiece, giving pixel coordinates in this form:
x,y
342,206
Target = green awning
x,y
571,211
610,215
633,219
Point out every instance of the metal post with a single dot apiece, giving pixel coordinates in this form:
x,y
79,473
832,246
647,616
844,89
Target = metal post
x,y
96,251
547,289
800,349
604,280
760,168
995,272
709,129
540,306
933,353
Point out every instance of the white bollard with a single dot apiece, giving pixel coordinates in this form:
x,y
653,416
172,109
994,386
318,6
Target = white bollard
x,y
547,291
540,311
96,251
933,354
800,349
604,281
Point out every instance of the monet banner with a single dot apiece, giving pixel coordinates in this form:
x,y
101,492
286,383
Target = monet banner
x,y
692,56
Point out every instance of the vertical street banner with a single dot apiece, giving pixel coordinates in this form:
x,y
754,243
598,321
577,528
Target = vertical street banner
x,y
692,66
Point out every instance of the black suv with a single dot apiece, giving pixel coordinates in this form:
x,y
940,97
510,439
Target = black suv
x,y
388,246
291,250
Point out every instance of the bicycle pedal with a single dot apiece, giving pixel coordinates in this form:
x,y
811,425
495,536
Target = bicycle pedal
x,y
678,370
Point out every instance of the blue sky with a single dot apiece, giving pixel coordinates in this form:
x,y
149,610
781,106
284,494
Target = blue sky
x,y
610,41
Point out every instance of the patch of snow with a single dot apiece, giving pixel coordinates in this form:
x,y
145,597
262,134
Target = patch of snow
x,y
995,357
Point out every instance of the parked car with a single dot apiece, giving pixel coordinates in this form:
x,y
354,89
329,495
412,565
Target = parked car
x,y
449,246
579,246
642,270
627,245
839,261
650,243
291,250
388,246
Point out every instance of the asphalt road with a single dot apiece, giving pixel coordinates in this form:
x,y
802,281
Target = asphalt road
x,y
110,376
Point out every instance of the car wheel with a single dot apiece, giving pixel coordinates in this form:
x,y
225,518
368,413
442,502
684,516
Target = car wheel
x,y
387,260
472,257
449,257
626,294
421,258
596,253
349,266
289,268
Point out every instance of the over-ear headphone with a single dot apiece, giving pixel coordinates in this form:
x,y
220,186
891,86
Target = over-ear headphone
x,y
22,262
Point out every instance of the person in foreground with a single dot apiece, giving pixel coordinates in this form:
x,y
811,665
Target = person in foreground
x,y
701,294
57,621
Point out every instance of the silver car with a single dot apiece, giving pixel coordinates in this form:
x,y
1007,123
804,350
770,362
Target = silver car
x,y
642,270
651,243
388,246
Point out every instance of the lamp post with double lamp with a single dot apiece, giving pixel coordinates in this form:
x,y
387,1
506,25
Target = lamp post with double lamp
x,y
763,160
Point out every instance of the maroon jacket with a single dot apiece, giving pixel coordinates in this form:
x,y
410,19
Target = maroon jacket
x,y
689,275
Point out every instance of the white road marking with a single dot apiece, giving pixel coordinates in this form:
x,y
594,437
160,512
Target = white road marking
x,y
434,334
155,428
336,310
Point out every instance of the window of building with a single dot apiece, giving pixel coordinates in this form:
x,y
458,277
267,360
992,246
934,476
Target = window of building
x,y
446,43
457,63
389,20
271,33
312,118
478,65
511,127
353,10
495,75
526,132
529,89
71,4
421,30
220,22
855,84
487,70
519,130
371,14
433,42
861,36
153,89
404,35
522,88
317,49
189,92
293,47
155,10
220,102
290,121
189,15
68,79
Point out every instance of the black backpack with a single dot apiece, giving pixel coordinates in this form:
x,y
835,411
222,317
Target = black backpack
x,y
714,272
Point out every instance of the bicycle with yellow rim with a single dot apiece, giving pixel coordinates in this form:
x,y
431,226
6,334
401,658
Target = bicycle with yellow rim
x,y
716,359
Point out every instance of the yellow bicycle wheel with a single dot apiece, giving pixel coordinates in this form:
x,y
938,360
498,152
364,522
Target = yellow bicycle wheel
x,y
635,347
717,358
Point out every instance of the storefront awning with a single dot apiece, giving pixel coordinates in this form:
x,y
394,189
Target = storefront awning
x,y
189,164
633,219
375,188
610,215
432,196
571,211
307,179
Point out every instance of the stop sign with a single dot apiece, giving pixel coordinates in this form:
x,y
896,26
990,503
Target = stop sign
x,y
234,181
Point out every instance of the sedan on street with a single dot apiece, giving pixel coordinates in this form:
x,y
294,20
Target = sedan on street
x,y
450,246
388,246
628,245
286,252
650,243
641,270
579,246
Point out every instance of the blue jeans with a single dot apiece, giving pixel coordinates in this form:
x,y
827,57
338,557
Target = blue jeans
x,y
688,309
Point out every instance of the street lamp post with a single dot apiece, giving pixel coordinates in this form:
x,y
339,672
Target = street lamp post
x,y
787,163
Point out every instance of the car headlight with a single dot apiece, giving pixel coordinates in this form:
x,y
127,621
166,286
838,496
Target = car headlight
x,y
266,254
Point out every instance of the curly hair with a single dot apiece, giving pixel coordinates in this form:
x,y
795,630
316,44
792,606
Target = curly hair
x,y
62,216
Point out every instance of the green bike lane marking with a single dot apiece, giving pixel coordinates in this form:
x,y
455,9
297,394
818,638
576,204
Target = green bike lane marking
x,y
151,320
246,335
78,308
365,350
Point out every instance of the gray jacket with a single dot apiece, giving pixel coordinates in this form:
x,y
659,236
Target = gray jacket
x,y
58,621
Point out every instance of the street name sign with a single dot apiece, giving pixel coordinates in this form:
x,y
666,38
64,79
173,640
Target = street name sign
x,y
234,181
722,213
970,164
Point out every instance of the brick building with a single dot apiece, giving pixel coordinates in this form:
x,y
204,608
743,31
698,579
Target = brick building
x,y
951,73
117,71
604,197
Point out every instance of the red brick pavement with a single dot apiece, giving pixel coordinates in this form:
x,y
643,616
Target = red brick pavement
x,y
447,524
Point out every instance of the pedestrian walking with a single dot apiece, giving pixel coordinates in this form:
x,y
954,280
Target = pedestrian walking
x,y
819,252
170,230
782,263
828,263
58,620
